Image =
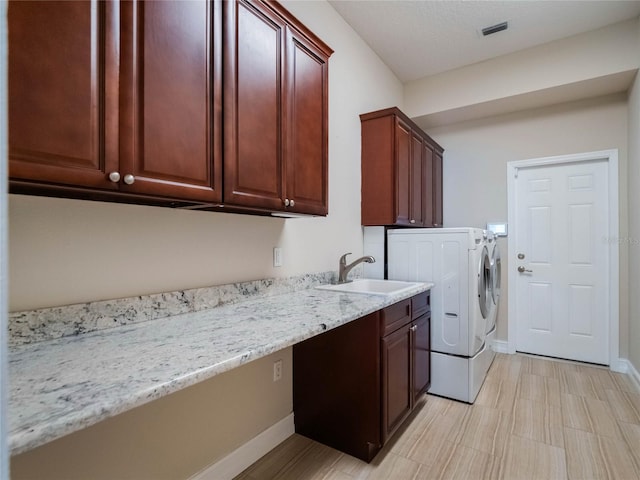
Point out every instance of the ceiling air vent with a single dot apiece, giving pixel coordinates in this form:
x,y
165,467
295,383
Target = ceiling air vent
x,y
495,28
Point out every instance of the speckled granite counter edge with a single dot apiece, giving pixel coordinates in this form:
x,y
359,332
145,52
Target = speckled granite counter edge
x,y
196,359
32,326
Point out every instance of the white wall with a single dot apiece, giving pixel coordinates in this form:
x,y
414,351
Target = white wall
x,y
70,251
532,75
476,154
634,220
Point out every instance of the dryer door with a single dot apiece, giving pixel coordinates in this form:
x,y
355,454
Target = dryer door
x,y
484,283
495,274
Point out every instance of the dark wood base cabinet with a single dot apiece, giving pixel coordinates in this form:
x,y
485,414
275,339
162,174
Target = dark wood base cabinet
x,y
355,385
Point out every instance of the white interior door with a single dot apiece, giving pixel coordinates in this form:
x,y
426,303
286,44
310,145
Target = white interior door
x,y
562,264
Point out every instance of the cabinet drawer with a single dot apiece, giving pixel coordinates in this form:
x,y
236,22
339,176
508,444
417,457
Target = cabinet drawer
x,y
420,304
395,316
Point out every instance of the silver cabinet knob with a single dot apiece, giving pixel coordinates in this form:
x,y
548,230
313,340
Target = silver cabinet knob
x,y
412,221
286,202
292,203
129,179
521,269
114,177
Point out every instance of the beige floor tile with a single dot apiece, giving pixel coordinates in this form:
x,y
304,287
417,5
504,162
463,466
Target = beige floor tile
x,y
506,367
539,389
625,405
590,415
526,459
396,467
591,456
463,463
288,452
631,434
537,421
623,382
577,383
440,430
314,463
499,394
484,429
353,467
540,366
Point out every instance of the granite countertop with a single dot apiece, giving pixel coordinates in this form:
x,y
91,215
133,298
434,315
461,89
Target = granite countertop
x,y
63,385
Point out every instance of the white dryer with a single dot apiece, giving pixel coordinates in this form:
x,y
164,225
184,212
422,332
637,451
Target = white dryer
x,y
496,280
458,261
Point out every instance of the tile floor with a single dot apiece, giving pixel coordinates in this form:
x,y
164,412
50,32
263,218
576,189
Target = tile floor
x,y
534,418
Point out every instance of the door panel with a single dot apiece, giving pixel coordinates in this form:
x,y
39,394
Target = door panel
x,y
403,170
396,374
170,126
63,102
418,185
253,106
562,294
306,154
421,355
437,189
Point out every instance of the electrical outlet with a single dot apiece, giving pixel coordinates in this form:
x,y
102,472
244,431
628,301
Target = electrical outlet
x,y
277,370
277,256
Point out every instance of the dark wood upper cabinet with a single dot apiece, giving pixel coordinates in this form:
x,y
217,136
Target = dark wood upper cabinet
x,y
63,92
401,172
275,94
125,101
171,99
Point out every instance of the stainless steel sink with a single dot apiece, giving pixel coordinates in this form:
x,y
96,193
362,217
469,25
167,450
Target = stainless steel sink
x,y
372,287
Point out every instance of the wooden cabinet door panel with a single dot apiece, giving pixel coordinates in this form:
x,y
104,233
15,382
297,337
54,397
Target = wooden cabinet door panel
x,y
403,171
437,189
306,153
428,205
421,340
171,98
254,65
63,102
417,188
396,377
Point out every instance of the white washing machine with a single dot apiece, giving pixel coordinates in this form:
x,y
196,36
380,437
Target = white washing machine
x,y
458,261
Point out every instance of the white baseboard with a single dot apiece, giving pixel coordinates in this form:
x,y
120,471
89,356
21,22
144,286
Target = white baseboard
x,y
625,366
500,346
245,456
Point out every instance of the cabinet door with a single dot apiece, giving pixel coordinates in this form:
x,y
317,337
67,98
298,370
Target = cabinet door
x,y
396,379
437,189
253,111
63,98
403,172
417,189
421,342
170,120
306,153
429,196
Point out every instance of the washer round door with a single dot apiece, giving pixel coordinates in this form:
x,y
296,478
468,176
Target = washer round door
x,y
484,283
496,272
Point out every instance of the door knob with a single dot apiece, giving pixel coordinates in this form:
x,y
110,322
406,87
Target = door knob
x,y
521,269
114,177
129,179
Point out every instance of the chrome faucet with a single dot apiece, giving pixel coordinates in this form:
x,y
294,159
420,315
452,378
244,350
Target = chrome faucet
x,y
345,269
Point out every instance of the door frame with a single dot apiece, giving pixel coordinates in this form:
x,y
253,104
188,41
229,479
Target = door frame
x,y
611,157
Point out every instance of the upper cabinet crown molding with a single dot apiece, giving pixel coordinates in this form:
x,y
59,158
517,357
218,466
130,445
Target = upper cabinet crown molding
x,y
125,101
401,172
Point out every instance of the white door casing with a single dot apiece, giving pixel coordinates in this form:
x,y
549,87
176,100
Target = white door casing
x,y
563,213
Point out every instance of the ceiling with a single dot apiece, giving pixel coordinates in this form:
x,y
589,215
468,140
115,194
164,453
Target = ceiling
x,y
420,38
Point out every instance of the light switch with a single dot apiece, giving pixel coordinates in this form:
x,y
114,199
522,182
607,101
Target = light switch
x,y
277,256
